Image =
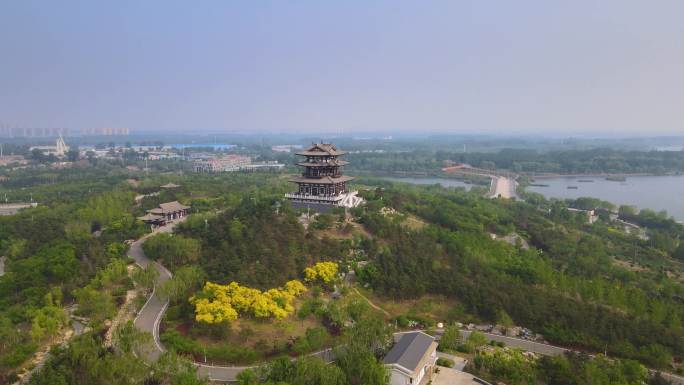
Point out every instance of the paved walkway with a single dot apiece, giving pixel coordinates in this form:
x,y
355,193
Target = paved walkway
x,y
149,317
503,187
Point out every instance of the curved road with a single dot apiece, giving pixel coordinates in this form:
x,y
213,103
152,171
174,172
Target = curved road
x,y
150,315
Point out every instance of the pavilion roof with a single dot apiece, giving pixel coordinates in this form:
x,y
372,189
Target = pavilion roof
x,y
170,185
322,149
168,207
151,217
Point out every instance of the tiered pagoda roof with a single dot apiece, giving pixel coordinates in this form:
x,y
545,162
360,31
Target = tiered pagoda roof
x,y
322,149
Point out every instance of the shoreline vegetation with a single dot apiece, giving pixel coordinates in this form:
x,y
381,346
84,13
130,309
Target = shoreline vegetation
x,y
601,175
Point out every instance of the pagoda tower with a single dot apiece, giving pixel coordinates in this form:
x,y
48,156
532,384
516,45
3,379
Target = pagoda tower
x,y
322,184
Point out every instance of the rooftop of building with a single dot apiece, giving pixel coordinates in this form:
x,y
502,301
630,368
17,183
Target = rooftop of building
x,y
168,207
410,350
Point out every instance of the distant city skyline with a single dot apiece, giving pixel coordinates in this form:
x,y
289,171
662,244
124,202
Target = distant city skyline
x,y
456,67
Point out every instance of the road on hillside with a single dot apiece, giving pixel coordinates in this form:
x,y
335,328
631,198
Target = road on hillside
x,y
150,315
550,350
530,346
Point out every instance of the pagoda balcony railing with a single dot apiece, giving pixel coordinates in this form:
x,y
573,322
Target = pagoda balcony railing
x,y
319,176
326,198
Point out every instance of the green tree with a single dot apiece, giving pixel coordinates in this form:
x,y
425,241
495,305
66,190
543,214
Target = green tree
x,y
146,277
172,250
129,339
95,304
451,338
185,282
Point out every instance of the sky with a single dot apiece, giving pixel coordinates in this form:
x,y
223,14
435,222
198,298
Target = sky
x,y
482,66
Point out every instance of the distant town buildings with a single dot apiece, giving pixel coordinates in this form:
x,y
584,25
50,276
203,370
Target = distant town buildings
x,y
231,163
13,208
26,132
9,160
59,149
286,147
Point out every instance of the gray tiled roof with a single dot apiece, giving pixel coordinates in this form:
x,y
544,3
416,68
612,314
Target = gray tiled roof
x,y
168,207
322,149
409,350
151,217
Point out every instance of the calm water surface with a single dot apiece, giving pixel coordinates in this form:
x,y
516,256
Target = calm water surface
x,y
652,192
445,182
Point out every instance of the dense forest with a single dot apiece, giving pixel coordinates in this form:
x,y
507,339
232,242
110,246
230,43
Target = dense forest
x,y
591,161
251,244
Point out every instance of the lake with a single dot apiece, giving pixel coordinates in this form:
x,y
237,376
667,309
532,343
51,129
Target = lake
x,y
445,182
652,192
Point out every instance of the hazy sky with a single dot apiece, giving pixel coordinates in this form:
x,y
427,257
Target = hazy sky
x,y
552,66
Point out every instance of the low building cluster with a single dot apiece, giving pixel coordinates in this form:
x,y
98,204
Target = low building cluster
x,y
231,163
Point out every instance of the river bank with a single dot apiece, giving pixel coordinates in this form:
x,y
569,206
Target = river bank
x,y
643,191
596,175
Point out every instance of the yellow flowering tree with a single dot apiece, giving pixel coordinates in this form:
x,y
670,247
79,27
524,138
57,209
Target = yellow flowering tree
x,y
325,272
218,303
294,287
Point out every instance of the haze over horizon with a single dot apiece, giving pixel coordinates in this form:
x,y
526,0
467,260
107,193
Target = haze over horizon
x,y
555,68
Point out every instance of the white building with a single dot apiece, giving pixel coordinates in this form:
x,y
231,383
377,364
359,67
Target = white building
x,y
59,149
412,358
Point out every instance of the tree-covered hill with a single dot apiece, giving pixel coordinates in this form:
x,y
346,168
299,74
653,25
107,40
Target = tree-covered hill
x,y
566,286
